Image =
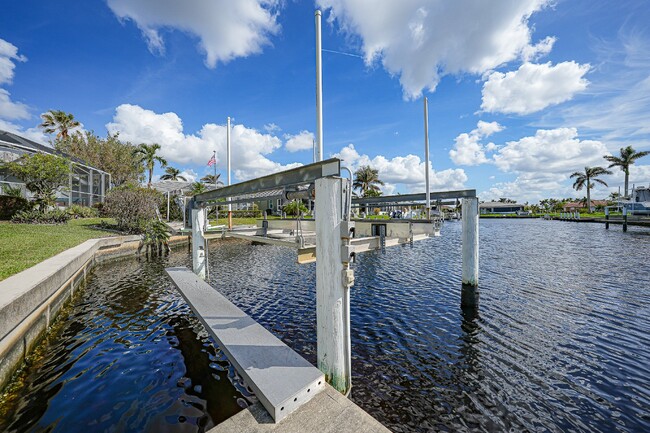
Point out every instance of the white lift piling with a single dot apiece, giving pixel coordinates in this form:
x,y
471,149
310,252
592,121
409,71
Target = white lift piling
x,y
470,218
199,253
333,281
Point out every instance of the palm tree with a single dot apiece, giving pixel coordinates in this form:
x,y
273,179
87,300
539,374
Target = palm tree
x,y
197,188
58,121
212,179
585,179
172,173
627,158
147,156
366,180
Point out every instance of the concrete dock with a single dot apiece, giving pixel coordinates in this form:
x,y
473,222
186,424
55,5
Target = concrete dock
x,y
327,412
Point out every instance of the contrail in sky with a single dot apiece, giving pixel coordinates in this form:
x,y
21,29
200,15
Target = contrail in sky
x,y
340,52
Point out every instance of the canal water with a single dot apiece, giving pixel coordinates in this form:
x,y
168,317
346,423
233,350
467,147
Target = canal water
x,y
560,341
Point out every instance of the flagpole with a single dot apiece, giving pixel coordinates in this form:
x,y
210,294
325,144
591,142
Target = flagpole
x,y
228,156
214,156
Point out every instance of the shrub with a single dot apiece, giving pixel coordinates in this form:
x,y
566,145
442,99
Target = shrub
x,y
132,207
36,217
43,174
76,211
10,205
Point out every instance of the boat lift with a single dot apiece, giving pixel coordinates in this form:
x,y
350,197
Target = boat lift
x,y
332,240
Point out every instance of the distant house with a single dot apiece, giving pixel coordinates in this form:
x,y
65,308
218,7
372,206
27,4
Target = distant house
x,y
575,206
500,208
87,184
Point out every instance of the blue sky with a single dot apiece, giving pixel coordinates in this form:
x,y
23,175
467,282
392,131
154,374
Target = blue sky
x,y
521,92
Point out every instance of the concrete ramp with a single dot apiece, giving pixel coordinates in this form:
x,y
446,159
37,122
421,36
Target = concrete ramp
x,y
281,379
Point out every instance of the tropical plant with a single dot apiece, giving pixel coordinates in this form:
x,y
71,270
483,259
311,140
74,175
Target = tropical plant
x,y
36,217
76,211
154,237
587,178
172,173
146,154
197,188
366,179
295,207
627,157
12,191
212,179
43,174
58,121
108,154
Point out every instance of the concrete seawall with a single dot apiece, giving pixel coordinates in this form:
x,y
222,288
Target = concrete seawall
x,y
31,299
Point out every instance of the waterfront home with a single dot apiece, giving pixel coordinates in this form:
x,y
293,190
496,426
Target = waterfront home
x,y
575,206
495,207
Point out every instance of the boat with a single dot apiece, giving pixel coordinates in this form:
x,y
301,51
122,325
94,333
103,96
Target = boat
x,y
639,203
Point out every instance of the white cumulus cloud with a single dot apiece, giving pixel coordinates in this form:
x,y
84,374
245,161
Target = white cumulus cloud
x,y
550,151
468,149
226,29
8,54
302,141
403,172
422,40
10,109
533,87
248,146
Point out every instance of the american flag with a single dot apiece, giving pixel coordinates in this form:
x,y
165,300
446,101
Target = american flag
x,y
212,161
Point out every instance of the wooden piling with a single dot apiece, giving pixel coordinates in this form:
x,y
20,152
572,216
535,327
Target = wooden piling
x,y
624,219
606,218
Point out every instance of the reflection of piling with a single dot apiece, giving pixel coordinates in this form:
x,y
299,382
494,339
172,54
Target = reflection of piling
x,y
606,218
624,219
469,297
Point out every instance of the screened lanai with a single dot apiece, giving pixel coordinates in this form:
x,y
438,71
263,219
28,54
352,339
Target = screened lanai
x,y
87,185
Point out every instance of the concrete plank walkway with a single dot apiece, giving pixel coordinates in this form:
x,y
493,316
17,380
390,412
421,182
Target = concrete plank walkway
x,y
327,412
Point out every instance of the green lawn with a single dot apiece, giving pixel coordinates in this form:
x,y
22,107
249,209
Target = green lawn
x,y
24,245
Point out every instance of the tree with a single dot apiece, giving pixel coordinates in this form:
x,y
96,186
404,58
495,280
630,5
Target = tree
x,y
108,154
197,188
366,180
172,173
627,157
58,121
211,179
146,153
43,174
585,179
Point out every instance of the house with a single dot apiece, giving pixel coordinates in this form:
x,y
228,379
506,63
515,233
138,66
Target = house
x,y
87,185
575,206
496,207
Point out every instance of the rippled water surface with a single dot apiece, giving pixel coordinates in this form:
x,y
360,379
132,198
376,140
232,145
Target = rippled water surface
x,y
560,341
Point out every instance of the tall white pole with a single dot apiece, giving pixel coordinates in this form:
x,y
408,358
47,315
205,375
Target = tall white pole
x,y
228,157
319,91
426,157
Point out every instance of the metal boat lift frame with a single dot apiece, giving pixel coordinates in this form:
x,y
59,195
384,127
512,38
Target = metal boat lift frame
x,y
335,246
